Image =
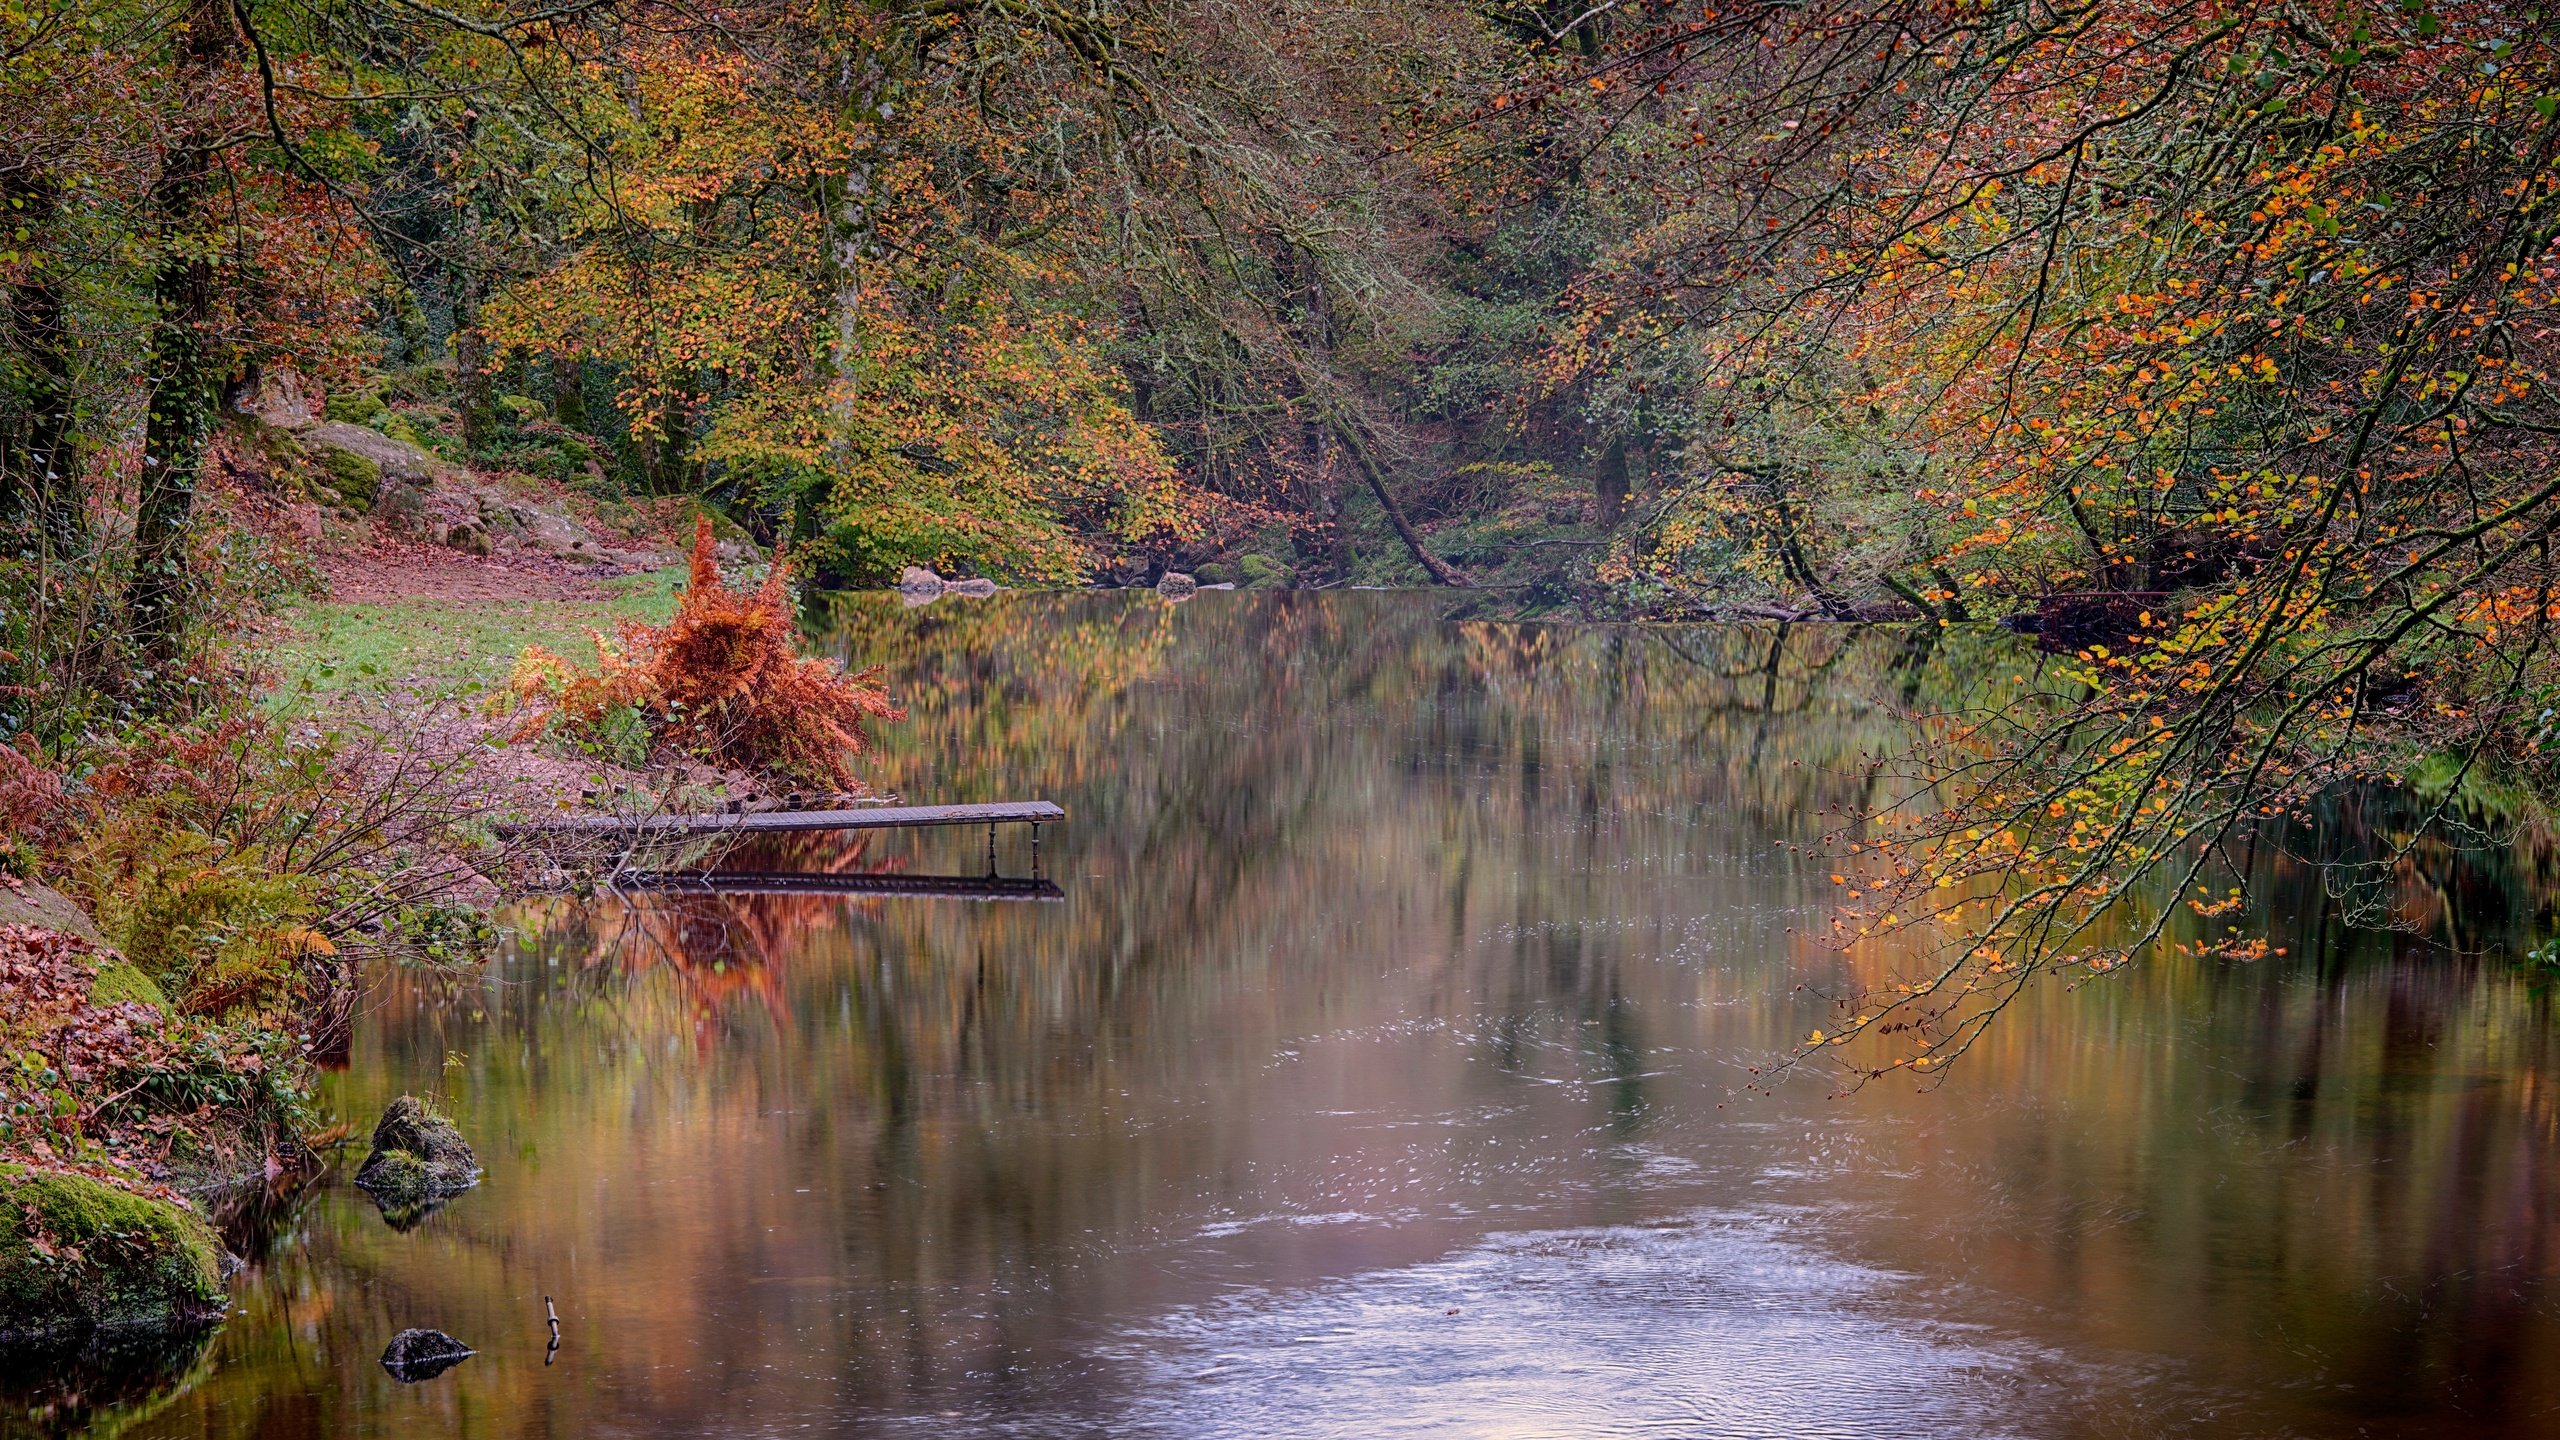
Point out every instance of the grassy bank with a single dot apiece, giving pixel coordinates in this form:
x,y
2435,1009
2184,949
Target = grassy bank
x,y
441,644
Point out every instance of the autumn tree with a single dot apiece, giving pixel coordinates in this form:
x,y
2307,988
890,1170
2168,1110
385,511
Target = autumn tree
x,y
2211,341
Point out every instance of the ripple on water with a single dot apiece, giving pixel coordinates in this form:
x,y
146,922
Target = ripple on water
x,y
1706,1327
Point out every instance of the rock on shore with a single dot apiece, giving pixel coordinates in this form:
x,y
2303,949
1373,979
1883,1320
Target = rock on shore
x,y
78,1254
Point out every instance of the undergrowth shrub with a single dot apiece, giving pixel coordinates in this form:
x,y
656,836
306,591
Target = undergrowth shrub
x,y
35,810
722,680
89,1079
241,861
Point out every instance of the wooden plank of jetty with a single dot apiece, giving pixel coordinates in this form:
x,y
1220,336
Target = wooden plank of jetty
x,y
764,882
772,822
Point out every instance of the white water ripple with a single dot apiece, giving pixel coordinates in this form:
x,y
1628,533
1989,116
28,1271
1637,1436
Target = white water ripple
x,y
1710,1327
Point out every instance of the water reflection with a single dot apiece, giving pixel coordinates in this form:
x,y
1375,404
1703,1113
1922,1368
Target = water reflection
x,y
1406,966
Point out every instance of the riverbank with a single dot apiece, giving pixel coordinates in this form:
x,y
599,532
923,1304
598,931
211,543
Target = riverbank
x,y
183,906
195,893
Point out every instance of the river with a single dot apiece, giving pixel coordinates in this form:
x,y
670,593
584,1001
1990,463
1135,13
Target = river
x,y
1387,1069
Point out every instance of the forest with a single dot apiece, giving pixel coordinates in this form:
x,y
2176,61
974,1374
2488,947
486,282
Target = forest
x,y
2183,374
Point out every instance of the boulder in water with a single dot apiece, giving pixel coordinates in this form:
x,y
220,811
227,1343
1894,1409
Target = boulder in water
x,y
418,1160
917,580
415,1355
977,587
1177,586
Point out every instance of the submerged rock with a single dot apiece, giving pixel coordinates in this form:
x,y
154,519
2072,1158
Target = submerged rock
x,y
917,580
1177,586
415,1355
77,1254
418,1160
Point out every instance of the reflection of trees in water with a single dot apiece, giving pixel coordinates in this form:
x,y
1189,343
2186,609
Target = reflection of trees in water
x,y
2470,879
1295,819
2343,1155
1280,813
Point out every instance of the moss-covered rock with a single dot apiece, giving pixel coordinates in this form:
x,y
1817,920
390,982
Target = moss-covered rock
x,y
355,407
28,902
1216,572
78,1254
418,1160
1261,572
352,475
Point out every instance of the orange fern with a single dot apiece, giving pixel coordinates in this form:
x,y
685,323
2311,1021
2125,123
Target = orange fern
x,y
723,680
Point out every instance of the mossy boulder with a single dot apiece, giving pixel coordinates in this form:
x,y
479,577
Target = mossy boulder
x,y
28,902
354,407
418,1160
354,476
1216,572
79,1254
1261,572
390,457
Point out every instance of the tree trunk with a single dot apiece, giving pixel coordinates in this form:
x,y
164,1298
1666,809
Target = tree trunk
x,y
1441,571
1610,486
474,386
865,85
1792,549
671,458
569,391
185,370
39,469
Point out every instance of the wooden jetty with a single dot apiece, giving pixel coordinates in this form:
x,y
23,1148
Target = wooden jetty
x,y
1034,813
768,882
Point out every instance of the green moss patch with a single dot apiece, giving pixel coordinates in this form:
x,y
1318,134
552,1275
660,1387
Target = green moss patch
x,y
353,476
120,983
76,1254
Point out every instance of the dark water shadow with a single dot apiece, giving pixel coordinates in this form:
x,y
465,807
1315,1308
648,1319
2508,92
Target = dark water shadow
x,y
72,1383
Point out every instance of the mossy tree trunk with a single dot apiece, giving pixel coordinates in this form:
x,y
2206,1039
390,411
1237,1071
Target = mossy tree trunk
x,y
569,391
475,388
1610,486
186,364
38,465
868,71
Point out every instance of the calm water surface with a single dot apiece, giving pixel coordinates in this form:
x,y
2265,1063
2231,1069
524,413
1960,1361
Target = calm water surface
x,y
1385,1071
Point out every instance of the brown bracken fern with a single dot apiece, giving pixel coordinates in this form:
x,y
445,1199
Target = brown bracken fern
x,y
723,681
